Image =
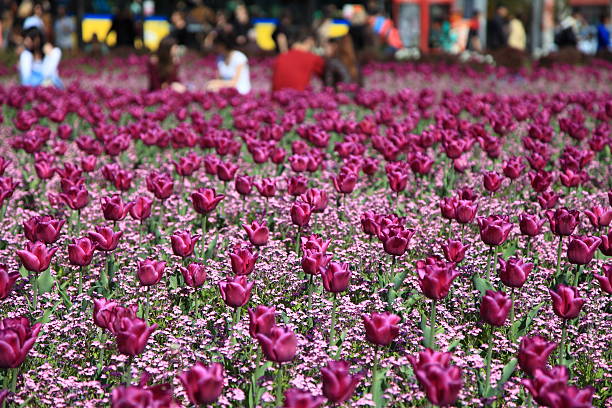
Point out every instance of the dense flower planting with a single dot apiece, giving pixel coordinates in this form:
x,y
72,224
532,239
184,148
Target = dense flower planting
x,y
433,239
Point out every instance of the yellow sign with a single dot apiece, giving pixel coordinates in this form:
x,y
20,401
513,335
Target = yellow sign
x,y
155,29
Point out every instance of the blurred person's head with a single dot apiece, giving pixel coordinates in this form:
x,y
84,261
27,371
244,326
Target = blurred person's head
x,y
241,13
33,40
502,11
303,39
223,44
61,10
38,9
167,55
178,20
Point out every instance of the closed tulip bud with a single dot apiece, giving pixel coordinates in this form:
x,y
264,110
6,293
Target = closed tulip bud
x,y
563,221
183,243
16,339
243,184
338,383
235,291
494,229
45,229
581,249
465,211
605,280
140,208
150,272
395,239
187,165
313,261
266,187
194,274
336,277
345,181
314,242
317,199
514,271
160,184
513,168
548,199
428,357
300,214
492,181
75,197
261,320
257,232
139,396
566,301
454,250
243,260
381,328
397,181
544,381
533,353
113,208
205,200
104,313
599,216
295,398
530,225
279,345
88,163
435,277
226,171
36,257
440,383
105,238
81,251
494,307
203,384
448,207
7,280
132,335
540,180
297,185
606,244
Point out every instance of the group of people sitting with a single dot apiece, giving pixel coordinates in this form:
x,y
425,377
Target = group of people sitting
x,y
292,69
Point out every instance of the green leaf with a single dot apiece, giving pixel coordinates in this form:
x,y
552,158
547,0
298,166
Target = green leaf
x,y
45,282
481,285
399,279
46,314
23,272
506,373
211,247
173,282
453,345
525,322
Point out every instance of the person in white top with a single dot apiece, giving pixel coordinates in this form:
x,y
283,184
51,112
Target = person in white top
x,y
39,61
233,67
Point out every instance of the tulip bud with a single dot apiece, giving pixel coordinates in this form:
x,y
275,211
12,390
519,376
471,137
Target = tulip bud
x,y
194,274
132,335
140,208
7,280
235,291
150,272
36,257
338,383
243,260
105,238
336,277
203,384
81,251
183,243
566,302
514,272
17,338
300,214
581,250
454,251
530,225
279,346
258,233
261,320
494,307
205,200
533,353
381,328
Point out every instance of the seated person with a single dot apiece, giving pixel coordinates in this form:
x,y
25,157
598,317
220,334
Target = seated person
x,y
233,66
163,66
39,61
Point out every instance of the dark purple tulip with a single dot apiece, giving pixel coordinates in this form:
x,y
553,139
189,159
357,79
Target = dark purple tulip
x,y
440,383
297,185
105,238
336,276
448,207
513,168
150,272
315,242
494,229
113,208
581,249
381,328
395,239
104,313
563,221
533,353
243,260
243,184
75,197
566,301
183,243
140,208
132,335
300,214
43,228
530,225
81,251
541,180
141,396
7,280
568,396
226,171
545,381
295,398
279,345
492,181
465,211
345,181
160,184
203,384
261,320
235,291
599,216
317,199
313,260
606,244
338,383
16,339
605,280
205,200
435,277
397,180
454,250
36,257
514,271
548,199
194,274
257,232
494,307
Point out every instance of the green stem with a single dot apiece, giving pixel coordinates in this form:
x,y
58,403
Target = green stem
x,y
80,280
512,314
309,289
375,380
332,329
14,377
577,276
528,249
489,263
147,303
279,384
204,230
432,325
297,242
127,374
562,343
488,363
559,248
34,281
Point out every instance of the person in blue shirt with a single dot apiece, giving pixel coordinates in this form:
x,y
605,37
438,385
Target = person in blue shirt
x,y
39,61
603,33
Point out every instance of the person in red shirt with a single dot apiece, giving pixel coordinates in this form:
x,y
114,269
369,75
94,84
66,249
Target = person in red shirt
x,y
295,68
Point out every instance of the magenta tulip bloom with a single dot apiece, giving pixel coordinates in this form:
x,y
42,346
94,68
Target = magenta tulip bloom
x,y
295,398
440,383
494,308
317,199
105,238
563,221
261,320
606,244
160,184
492,181
36,257
397,180
183,243
258,233
338,384
226,171
345,181
533,353
279,345
150,272
545,381
194,274
7,280
381,328
448,207
235,291
137,396
454,250
465,211
205,200
395,239
103,313
113,208
132,335
45,229
530,225
76,197
266,187
203,384
314,242
566,301
336,277
297,185
435,278
17,337
300,214
514,271
494,229
605,280
243,184
140,208
313,261
599,216
81,251
581,249
243,260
